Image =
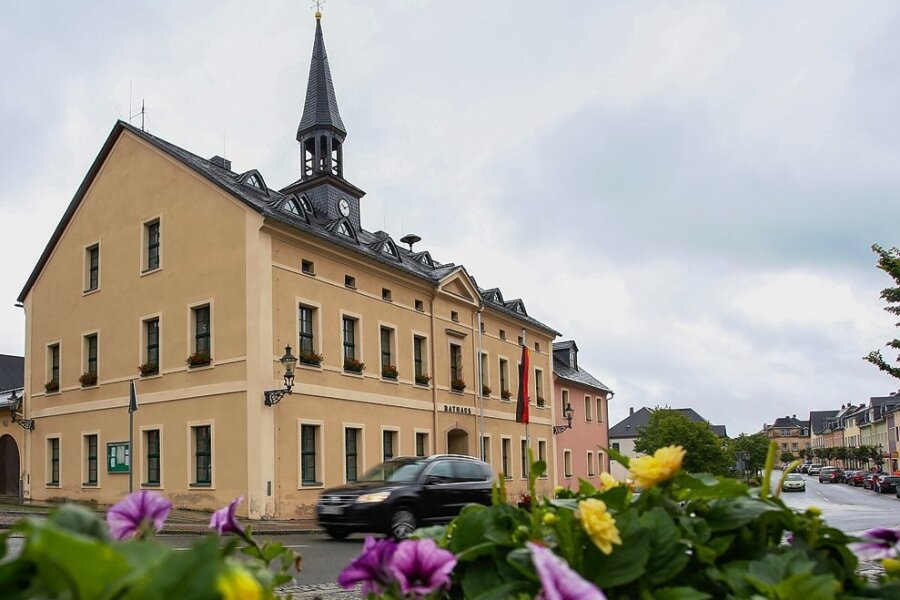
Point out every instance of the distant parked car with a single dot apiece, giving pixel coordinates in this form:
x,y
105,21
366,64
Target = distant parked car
x,y
858,478
804,468
848,476
794,482
868,482
887,484
830,475
814,469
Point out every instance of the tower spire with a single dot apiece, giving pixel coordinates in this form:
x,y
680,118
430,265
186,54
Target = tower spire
x,y
321,131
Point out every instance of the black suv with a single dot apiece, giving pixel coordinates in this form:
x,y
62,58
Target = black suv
x,y
404,493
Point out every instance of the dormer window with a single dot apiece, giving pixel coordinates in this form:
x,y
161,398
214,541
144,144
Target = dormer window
x,y
254,181
304,203
389,249
291,207
344,230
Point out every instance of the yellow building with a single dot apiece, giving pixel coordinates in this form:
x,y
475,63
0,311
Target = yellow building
x,y
192,279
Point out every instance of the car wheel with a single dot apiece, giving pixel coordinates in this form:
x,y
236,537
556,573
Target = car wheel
x,y
403,523
337,534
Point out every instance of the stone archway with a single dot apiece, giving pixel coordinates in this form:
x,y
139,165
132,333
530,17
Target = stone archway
x,y
9,466
458,441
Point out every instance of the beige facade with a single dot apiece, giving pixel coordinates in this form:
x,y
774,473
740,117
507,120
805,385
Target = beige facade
x,y
253,274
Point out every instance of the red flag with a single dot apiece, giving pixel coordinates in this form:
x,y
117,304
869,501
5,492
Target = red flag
x,y
522,401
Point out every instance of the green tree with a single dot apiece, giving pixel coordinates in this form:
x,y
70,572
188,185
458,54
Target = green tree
x,y
889,262
787,457
755,447
803,453
667,427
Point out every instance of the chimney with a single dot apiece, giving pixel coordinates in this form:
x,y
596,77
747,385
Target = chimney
x,y
221,162
630,410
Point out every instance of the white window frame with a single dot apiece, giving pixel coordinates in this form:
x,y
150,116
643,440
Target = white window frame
x,y
490,448
316,307
500,361
360,448
142,341
48,375
395,431
590,464
588,408
142,456
506,442
395,356
567,463
192,451
524,466
84,352
48,469
426,356
542,443
191,331
320,454
84,459
144,267
427,432
358,338
86,268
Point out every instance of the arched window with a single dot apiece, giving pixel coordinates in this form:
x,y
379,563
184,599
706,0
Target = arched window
x,y
254,181
291,207
388,248
304,202
344,230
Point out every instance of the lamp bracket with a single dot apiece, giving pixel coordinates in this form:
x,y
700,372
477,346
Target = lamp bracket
x,y
273,397
557,429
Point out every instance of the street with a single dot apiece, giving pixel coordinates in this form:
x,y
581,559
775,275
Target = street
x,y
844,507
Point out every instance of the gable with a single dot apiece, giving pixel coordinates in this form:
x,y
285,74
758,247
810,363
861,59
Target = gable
x,y
460,286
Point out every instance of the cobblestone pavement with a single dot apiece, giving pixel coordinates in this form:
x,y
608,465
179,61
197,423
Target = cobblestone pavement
x,y
325,591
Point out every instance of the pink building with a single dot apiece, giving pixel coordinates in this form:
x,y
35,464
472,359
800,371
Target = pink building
x,y
579,453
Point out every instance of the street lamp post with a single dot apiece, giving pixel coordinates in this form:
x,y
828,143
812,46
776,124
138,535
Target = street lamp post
x,y
288,361
568,413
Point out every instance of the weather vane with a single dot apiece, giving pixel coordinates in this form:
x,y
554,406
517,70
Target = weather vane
x,y
318,4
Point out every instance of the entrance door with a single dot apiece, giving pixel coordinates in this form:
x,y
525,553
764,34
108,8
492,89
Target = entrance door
x,y
9,466
457,442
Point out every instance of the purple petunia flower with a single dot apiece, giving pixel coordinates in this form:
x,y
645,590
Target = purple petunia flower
x,y
370,567
128,517
877,543
223,519
421,568
558,580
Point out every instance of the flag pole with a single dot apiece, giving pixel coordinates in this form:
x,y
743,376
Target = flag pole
x,y
527,401
132,408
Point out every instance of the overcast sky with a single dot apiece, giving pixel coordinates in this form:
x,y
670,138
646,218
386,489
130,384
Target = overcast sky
x,y
688,190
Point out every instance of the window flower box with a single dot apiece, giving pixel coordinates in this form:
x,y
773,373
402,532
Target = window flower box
x,y
485,390
423,378
87,379
149,368
354,366
51,386
198,359
311,359
389,372
458,385
505,394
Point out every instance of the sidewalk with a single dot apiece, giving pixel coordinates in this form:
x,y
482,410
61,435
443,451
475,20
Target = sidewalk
x,y
179,522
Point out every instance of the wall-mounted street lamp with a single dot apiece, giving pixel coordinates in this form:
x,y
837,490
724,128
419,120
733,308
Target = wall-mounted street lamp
x,y
288,361
15,403
568,413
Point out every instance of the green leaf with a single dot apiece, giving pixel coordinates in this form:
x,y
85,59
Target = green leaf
x,y
78,519
495,524
670,555
627,562
733,513
616,498
585,488
477,551
506,591
680,593
703,485
484,576
617,456
808,587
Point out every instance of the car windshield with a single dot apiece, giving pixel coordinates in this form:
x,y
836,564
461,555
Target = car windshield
x,y
794,477
891,479
401,471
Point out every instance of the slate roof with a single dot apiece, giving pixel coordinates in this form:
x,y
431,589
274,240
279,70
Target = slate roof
x,y
629,426
269,203
321,109
818,418
789,422
12,372
577,376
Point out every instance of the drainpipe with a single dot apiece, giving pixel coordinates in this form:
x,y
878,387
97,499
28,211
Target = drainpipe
x,y
434,406
480,366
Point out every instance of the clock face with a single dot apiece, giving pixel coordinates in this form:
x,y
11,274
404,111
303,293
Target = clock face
x,y
344,207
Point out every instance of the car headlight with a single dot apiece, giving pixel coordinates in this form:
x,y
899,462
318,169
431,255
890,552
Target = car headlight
x,y
373,497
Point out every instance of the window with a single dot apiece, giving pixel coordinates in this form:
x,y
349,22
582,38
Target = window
x,y
504,379
567,463
601,461
599,409
565,401
794,446
388,369
521,341
349,338
307,340
350,281
351,454
90,453
53,368
304,202
420,306
784,446
308,267
386,294
419,356
481,326
455,363
590,464
388,444
202,330
53,461
344,230
485,382
151,443
151,235
542,454
505,445
202,436
90,354
92,262
308,444
454,316
486,449
539,386
502,334
523,448
615,446
291,207
537,346
151,352
588,409
254,181
421,443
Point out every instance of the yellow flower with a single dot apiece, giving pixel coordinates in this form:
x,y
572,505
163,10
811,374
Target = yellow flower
x,y
599,524
814,511
650,470
558,490
237,584
550,518
607,481
891,566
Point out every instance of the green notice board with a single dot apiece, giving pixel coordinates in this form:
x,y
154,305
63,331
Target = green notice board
x,y
118,457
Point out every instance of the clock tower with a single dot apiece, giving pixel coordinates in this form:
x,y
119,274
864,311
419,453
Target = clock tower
x,y
321,135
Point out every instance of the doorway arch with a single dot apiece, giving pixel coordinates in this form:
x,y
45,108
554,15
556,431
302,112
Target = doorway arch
x,y
9,466
458,441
